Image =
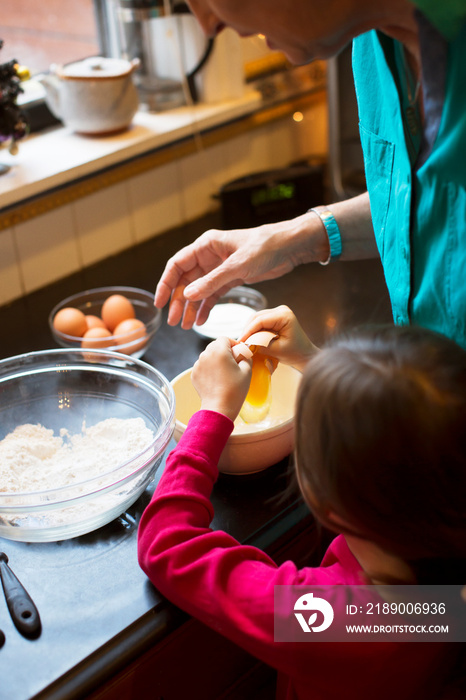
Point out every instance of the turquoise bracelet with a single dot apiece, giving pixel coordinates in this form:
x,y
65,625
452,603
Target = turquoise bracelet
x,y
333,233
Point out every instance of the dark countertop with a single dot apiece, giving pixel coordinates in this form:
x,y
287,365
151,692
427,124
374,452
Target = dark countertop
x,y
97,608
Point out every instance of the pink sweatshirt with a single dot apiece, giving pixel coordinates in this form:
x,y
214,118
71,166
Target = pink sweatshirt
x,y
230,587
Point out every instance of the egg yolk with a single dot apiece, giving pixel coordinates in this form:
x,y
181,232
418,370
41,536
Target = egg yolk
x,y
260,382
259,398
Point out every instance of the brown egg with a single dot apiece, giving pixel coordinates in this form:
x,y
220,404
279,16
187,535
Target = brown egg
x,y
116,309
97,337
94,322
70,321
128,331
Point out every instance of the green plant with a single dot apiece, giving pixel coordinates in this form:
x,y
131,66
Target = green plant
x,y
13,122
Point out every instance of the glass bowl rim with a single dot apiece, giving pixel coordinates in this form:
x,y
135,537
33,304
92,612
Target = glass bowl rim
x,y
160,436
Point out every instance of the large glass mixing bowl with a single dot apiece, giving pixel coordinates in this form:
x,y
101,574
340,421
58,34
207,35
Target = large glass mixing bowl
x,y
64,390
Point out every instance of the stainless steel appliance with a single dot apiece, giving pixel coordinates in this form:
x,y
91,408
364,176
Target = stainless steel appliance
x,y
156,32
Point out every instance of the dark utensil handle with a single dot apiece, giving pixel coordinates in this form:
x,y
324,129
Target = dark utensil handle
x,y
20,604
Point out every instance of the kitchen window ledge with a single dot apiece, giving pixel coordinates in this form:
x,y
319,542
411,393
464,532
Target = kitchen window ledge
x,y
57,166
57,157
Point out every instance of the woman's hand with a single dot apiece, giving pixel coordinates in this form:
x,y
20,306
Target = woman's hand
x,y
199,274
292,347
221,381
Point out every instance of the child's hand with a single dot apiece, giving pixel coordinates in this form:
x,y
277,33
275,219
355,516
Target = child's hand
x,y
292,347
221,382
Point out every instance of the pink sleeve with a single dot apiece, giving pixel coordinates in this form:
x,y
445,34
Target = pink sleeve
x,y
207,573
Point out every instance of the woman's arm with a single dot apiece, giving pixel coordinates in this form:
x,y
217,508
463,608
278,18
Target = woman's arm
x,y
197,275
355,223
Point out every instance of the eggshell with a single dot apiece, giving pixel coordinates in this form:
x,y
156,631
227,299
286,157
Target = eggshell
x,y
130,330
94,322
116,309
97,338
261,339
241,352
70,321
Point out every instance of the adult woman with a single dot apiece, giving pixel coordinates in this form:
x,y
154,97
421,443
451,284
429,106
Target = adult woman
x,y
410,72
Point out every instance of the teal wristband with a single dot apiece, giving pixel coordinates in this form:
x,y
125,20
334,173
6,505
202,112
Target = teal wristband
x,y
333,233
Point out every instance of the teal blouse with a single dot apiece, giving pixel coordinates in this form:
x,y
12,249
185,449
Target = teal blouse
x,y
418,200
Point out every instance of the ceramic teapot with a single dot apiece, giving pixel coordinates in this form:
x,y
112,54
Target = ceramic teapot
x,y
94,96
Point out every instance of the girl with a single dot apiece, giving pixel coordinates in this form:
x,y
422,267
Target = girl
x,y
380,458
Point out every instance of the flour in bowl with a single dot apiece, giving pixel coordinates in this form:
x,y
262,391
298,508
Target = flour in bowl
x,y
33,458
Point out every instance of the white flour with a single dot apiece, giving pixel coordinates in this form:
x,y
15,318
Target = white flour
x,y
32,458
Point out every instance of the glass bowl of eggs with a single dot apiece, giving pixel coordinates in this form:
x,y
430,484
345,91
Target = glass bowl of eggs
x,y
122,319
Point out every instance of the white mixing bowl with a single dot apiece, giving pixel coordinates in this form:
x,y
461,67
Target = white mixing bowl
x,y
254,446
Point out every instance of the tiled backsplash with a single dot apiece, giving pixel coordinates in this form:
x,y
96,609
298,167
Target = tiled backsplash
x,y
51,246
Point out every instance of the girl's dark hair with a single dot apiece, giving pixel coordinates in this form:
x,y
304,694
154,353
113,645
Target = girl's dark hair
x,y
381,442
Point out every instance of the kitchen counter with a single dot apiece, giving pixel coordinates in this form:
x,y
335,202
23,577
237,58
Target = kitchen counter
x,y
100,615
